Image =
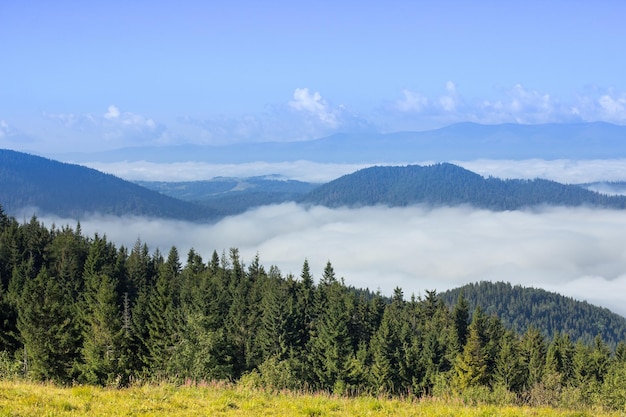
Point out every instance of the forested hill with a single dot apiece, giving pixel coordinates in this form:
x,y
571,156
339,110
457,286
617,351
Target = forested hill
x,y
28,181
448,184
520,308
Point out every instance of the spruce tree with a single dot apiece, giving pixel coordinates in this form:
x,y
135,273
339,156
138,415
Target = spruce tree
x,y
460,316
104,359
330,346
163,320
533,352
510,370
387,348
47,328
471,365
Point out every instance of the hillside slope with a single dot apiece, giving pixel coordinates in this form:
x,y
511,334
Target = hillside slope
x,y
450,185
519,308
52,187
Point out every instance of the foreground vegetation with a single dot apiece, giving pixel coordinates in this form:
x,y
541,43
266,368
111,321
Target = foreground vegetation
x,y
76,309
29,399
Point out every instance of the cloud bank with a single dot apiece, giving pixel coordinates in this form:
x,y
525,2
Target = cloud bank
x,y
517,104
111,129
309,114
576,252
560,170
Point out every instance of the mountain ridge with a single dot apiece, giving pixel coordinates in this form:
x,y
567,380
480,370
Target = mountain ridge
x,y
460,141
448,184
72,190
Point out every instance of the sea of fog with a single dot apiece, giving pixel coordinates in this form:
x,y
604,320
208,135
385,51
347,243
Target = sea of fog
x,y
561,170
578,252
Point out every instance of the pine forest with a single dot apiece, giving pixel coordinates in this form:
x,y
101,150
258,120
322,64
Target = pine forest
x,y
78,309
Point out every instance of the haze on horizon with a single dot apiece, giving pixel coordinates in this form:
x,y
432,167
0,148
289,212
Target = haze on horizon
x,y
103,75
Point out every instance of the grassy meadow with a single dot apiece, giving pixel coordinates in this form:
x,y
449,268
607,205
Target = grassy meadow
x,y
19,398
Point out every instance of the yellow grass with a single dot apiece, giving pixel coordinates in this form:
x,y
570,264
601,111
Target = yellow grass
x,y
30,399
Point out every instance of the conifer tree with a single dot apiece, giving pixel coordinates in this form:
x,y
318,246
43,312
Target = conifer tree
x,y
8,324
163,321
387,348
533,352
509,370
47,329
471,364
275,335
330,345
304,309
559,359
103,353
460,316
438,340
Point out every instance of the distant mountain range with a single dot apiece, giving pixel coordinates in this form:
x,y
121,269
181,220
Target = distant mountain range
x,y
520,308
72,190
462,141
52,187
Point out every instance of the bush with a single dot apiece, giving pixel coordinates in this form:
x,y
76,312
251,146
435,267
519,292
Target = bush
x,y
273,374
613,392
10,366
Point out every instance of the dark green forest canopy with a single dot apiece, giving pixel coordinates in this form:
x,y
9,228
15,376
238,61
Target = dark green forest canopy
x,y
44,186
80,309
521,308
450,185
28,181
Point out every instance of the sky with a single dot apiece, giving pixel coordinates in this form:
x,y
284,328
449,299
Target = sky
x,y
100,75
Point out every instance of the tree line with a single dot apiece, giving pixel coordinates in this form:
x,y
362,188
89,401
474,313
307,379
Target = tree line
x,y
80,309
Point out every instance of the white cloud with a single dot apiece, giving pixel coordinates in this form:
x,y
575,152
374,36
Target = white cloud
x,y
613,109
517,104
4,129
194,171
522,105
114,127
314,104
309,115
416,102
450,101
561,170
412,102
306,116
577,252
112,113
12,137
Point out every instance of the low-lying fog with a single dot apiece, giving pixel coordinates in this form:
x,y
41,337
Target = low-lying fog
x,y
577,252
561,170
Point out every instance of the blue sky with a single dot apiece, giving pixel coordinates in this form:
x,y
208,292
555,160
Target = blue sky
x,y
100,75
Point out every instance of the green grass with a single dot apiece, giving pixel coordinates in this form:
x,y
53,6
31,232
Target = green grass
x,y
18,398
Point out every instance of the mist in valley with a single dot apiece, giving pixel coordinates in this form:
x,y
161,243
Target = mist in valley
x,y
578,252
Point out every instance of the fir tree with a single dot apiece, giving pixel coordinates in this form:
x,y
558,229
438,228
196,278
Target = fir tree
x,y
471,365
46,325
104,359
330,346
